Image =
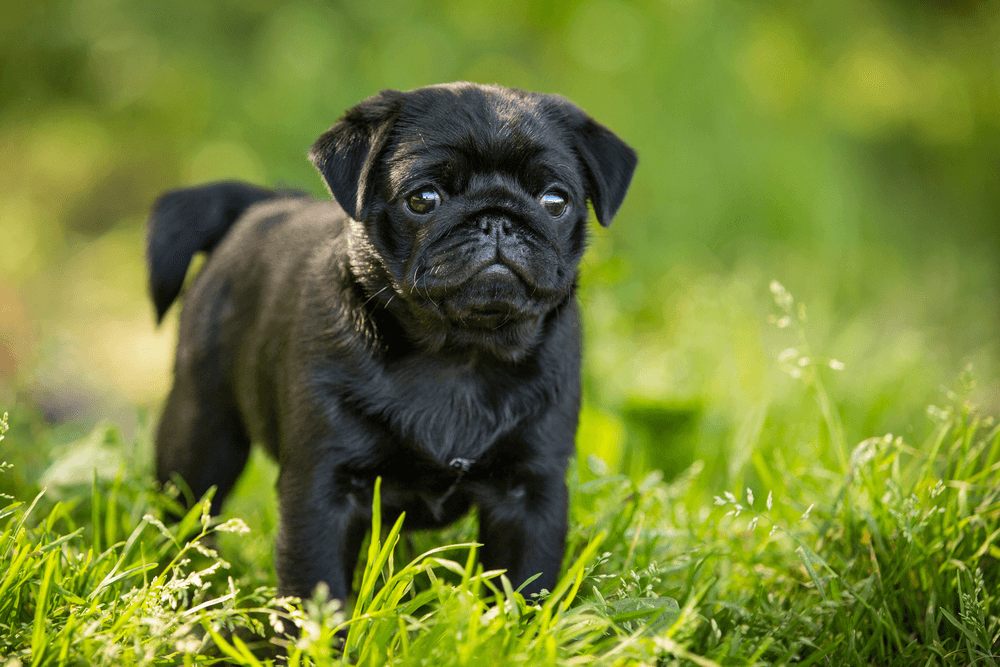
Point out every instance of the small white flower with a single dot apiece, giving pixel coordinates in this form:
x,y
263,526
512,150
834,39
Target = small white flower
x,y
156,523
205,515
234,526
276,623
749,497
203,550
769,499
788,354
188,645
836,365
782,298
313,630
488,617
803,362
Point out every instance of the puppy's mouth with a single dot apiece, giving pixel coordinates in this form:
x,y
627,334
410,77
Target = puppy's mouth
x,y
492,297
497,269
490,316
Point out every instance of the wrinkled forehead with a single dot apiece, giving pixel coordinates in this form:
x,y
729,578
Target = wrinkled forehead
x,y
445,133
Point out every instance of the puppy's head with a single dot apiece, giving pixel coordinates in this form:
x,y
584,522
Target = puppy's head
x,y
469,207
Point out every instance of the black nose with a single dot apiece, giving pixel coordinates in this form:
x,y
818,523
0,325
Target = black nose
x,y
494,224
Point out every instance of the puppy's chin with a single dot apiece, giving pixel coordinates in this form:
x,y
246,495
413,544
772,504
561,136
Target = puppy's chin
x,y
507,339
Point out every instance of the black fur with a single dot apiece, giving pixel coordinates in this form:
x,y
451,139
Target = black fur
x,y
439,351
185,222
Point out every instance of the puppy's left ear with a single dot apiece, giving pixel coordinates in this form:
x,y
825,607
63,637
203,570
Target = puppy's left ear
x,y
607,160
348,153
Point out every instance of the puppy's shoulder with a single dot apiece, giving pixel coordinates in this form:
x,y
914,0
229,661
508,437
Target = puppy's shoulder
x,y
292,215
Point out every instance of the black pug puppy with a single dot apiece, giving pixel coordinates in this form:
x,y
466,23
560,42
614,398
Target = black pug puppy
x,y
422,328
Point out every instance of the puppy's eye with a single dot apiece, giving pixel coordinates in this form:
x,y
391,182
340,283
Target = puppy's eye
x,y
423,201
554,203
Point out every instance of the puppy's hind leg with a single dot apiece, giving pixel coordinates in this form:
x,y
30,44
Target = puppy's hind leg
x,y
202,439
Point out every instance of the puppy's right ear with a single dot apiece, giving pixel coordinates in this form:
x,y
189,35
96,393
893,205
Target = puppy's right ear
x,y
347,154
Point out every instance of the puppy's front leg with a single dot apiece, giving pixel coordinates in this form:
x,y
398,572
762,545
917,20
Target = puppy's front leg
x,y
320,534
525,531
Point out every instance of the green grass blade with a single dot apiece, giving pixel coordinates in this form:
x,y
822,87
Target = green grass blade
x,y
39,635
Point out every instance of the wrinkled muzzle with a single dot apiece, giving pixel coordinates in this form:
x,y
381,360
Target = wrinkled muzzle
x,y
491,272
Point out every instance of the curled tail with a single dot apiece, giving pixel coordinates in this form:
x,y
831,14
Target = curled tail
x,y
186,221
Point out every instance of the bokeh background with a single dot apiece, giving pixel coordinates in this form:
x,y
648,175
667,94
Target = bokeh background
x,y
849,150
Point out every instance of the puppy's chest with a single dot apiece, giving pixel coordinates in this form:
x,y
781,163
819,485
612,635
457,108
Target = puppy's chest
x,y
452,412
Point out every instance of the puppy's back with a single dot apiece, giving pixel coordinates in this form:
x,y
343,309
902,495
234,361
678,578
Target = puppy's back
x,y
238,312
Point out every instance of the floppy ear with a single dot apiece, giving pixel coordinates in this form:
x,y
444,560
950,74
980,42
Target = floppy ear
x,y
607,160
347,153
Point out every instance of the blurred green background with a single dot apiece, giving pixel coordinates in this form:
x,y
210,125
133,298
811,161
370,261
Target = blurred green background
x,y
849,150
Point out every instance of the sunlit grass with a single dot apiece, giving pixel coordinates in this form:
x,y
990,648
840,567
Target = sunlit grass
x,y
882,551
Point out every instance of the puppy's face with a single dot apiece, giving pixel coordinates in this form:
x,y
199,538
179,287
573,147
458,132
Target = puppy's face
x,y
470,207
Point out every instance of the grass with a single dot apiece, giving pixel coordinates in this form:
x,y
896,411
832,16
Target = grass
x,y
883,552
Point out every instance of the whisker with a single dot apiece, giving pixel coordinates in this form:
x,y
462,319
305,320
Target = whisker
x,y
374,295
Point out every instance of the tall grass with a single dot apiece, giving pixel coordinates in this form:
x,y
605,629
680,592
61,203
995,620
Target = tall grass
x,y
887,555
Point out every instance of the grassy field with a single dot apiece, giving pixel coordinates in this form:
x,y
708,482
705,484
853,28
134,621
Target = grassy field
x,y
883,552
